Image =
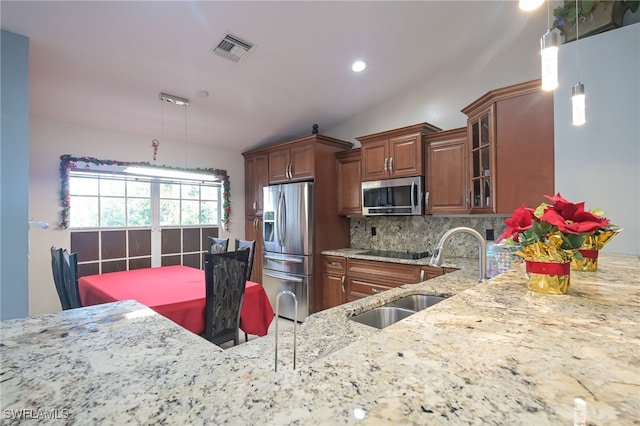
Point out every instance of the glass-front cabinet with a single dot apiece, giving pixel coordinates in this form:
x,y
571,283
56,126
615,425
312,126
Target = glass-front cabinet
x,y
482,132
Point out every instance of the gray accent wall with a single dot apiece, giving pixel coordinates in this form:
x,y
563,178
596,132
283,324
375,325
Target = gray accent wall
x,y
599,162
14,175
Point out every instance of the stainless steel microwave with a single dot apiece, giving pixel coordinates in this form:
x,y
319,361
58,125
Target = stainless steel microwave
x,y
402,197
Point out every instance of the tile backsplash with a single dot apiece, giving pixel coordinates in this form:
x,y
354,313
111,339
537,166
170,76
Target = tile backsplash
x,y
422,233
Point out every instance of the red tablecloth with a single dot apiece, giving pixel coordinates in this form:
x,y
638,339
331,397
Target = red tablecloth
x,y
176,292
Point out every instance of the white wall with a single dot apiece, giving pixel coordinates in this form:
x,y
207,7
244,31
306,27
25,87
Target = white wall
x,y
49,139
14,179
599,162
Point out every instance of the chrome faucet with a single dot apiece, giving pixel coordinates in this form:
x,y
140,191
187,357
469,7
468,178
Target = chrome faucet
x,y
436,258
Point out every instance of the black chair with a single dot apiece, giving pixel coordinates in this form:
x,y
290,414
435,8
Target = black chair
x,y
218,245
251,246
225,283
65,275
56,268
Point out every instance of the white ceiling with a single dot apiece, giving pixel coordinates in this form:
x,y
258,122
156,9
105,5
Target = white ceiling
x,y
103,64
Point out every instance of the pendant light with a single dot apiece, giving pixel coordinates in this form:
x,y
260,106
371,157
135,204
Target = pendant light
x,y
549,57
577,91
529,5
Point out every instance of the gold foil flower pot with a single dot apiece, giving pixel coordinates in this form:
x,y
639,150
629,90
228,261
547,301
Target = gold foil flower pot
x,y
548,277
595,241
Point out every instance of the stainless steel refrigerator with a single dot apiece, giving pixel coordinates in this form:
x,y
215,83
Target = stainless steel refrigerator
x,y
288,246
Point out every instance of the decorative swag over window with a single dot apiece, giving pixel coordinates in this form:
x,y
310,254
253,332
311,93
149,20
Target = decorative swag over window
x,y
68,163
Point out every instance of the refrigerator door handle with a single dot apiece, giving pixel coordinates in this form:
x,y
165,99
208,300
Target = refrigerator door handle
x,y
283,277
284,259
282,216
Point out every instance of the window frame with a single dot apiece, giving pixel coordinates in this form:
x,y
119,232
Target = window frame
x,y
69,163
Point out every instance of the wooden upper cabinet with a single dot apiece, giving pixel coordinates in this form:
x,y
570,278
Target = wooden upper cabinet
x,y
446,172
511,148
349,169
291,163
279,166
482,148
375,160
256,169
394,153
405,155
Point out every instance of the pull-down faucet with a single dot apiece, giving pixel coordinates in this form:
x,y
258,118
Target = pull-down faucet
x,y
436,259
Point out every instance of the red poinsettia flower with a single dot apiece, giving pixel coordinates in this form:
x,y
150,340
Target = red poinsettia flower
x,y
521,220
572,217
575,222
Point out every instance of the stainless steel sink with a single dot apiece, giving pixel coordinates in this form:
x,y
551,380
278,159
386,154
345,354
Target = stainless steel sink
x,y
416,302
383,316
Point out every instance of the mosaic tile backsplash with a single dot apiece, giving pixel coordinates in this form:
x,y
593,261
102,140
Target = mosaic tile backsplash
x,y
421,233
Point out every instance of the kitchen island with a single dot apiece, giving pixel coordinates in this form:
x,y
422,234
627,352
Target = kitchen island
x,y
493,353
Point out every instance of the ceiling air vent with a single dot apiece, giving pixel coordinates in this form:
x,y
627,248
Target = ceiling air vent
x,y
232,47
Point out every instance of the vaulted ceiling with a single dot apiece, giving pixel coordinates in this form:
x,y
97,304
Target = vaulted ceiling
x,y
103,64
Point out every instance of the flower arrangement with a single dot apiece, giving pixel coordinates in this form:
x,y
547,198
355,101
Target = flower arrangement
x,y
572,10
550,236
551,232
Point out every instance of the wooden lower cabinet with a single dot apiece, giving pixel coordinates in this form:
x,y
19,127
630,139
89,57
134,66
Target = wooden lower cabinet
x,y
333,281
345,279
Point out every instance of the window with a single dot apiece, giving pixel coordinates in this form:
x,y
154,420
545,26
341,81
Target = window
x,y
107,200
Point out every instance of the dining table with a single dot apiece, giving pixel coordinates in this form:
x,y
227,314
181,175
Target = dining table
x,y
177,292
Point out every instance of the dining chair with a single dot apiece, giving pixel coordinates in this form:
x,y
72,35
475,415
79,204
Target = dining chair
x,y
225,275
58,279
70,275
251,246
65,276
218,245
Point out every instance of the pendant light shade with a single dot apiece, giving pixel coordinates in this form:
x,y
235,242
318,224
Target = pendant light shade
x,y
528,5
549,52
578,104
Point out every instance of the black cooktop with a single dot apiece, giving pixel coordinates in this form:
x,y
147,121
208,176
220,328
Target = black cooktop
x,y
397,254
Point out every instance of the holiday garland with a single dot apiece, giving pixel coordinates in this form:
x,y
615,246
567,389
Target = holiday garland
x,y
67,163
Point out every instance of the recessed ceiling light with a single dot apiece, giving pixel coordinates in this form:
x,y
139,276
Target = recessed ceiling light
x,y
358,66
202,93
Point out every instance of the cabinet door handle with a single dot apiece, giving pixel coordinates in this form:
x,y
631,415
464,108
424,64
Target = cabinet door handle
x,y
391,165
334,263
422,275
255,224
342,284
426,200
375,290
289,173
386,162
254,205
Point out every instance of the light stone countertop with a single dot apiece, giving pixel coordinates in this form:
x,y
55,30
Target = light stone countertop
x,y
495,353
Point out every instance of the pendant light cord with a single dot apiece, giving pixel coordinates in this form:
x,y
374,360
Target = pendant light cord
x,y
162,121
578,39
185,136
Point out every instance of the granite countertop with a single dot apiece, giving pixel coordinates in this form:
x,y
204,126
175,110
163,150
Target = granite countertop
x,y
493,353
469,266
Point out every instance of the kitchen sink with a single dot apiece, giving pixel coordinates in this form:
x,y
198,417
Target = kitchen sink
x,y
383,316
392,312
416,302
